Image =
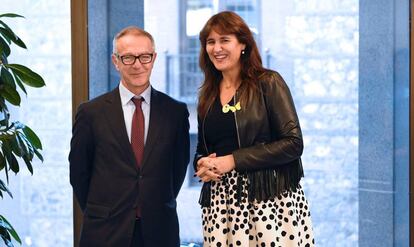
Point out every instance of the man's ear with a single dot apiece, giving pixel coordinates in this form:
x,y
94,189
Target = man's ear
x,y
115,61
154,57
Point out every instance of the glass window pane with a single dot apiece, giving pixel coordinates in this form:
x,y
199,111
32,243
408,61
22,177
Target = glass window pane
x,y
315,47
41,208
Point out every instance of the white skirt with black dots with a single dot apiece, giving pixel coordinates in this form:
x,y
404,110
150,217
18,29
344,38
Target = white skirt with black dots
x,y
283,221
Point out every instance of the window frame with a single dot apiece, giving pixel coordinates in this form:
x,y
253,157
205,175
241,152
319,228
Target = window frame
x,y
80,83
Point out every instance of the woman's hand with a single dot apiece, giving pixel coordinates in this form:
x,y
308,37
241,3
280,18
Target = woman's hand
x,y
212,167
206,169
223,164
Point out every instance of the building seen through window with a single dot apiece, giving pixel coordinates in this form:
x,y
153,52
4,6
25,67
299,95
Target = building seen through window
x,y
316,45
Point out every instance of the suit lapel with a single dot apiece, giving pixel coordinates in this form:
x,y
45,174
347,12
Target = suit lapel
x,y
154,124
115,118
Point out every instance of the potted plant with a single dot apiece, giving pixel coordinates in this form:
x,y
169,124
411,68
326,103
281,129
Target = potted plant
x,y
18,143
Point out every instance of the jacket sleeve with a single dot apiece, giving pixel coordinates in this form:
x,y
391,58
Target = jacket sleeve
x,y
200,150
81,156
182,152
287,144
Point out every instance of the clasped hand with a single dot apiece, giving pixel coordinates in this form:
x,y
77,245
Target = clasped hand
x,y
212,167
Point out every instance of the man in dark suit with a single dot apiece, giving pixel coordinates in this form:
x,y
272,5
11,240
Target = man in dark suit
x,y
128,160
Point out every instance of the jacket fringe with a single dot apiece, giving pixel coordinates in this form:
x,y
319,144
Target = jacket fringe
x,y
205,195
263,184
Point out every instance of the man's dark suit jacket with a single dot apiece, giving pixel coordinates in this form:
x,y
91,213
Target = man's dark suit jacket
x,y
109,186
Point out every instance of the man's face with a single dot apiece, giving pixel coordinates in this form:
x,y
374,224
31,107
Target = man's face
x,y
135,76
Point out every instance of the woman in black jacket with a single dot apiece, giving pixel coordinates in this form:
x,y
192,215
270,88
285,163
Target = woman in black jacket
x,y
249,145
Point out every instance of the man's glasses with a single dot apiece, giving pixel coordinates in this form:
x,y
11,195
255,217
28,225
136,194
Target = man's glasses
x,y
130,59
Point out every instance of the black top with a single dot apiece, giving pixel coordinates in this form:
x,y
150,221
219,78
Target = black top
x,y
220,129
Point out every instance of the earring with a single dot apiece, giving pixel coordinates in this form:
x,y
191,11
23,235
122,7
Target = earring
x,y
242,52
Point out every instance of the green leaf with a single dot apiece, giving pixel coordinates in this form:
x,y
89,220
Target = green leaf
x,y
7,127
19,42
2,161
38,155
30,148
4,122
4,47
11,36
11,230
6,34
5,236
14,165
6,152
20,83
3,187
6,171
24,149
32,137
16,148
7,77
28,76
11,15
3,59
11,159
10,94
6,27
28,164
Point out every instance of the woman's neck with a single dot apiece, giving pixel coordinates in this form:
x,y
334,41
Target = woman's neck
x,y
231,80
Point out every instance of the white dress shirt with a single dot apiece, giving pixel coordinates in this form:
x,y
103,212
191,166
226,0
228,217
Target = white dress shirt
x,y
128,107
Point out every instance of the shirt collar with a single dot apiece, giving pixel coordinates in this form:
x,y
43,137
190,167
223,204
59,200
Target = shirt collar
x,y
127,95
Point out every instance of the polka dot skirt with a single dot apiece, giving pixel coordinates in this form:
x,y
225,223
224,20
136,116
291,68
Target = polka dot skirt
x,y
283,221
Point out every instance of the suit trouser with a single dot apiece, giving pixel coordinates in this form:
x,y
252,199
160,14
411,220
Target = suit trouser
x,y
137,239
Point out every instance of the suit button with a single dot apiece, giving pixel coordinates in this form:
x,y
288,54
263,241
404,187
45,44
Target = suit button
x,y
140,176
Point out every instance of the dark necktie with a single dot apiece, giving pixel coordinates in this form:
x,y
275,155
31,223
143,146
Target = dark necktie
x,y
137,131
137,137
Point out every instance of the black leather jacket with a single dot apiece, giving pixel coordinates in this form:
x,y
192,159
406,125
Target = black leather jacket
x,y
270,142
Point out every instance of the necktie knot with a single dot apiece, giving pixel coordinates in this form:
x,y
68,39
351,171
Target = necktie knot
x,y
137,101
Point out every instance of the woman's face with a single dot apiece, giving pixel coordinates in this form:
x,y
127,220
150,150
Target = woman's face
x,y
224,50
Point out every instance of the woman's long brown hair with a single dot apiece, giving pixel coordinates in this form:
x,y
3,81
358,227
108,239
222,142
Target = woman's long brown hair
x,y
228,22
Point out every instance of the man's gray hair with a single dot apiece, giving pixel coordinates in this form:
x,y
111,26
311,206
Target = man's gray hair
x,y
133,30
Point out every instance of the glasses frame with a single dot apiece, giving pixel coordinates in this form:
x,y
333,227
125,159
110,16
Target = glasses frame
x,y
135,58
